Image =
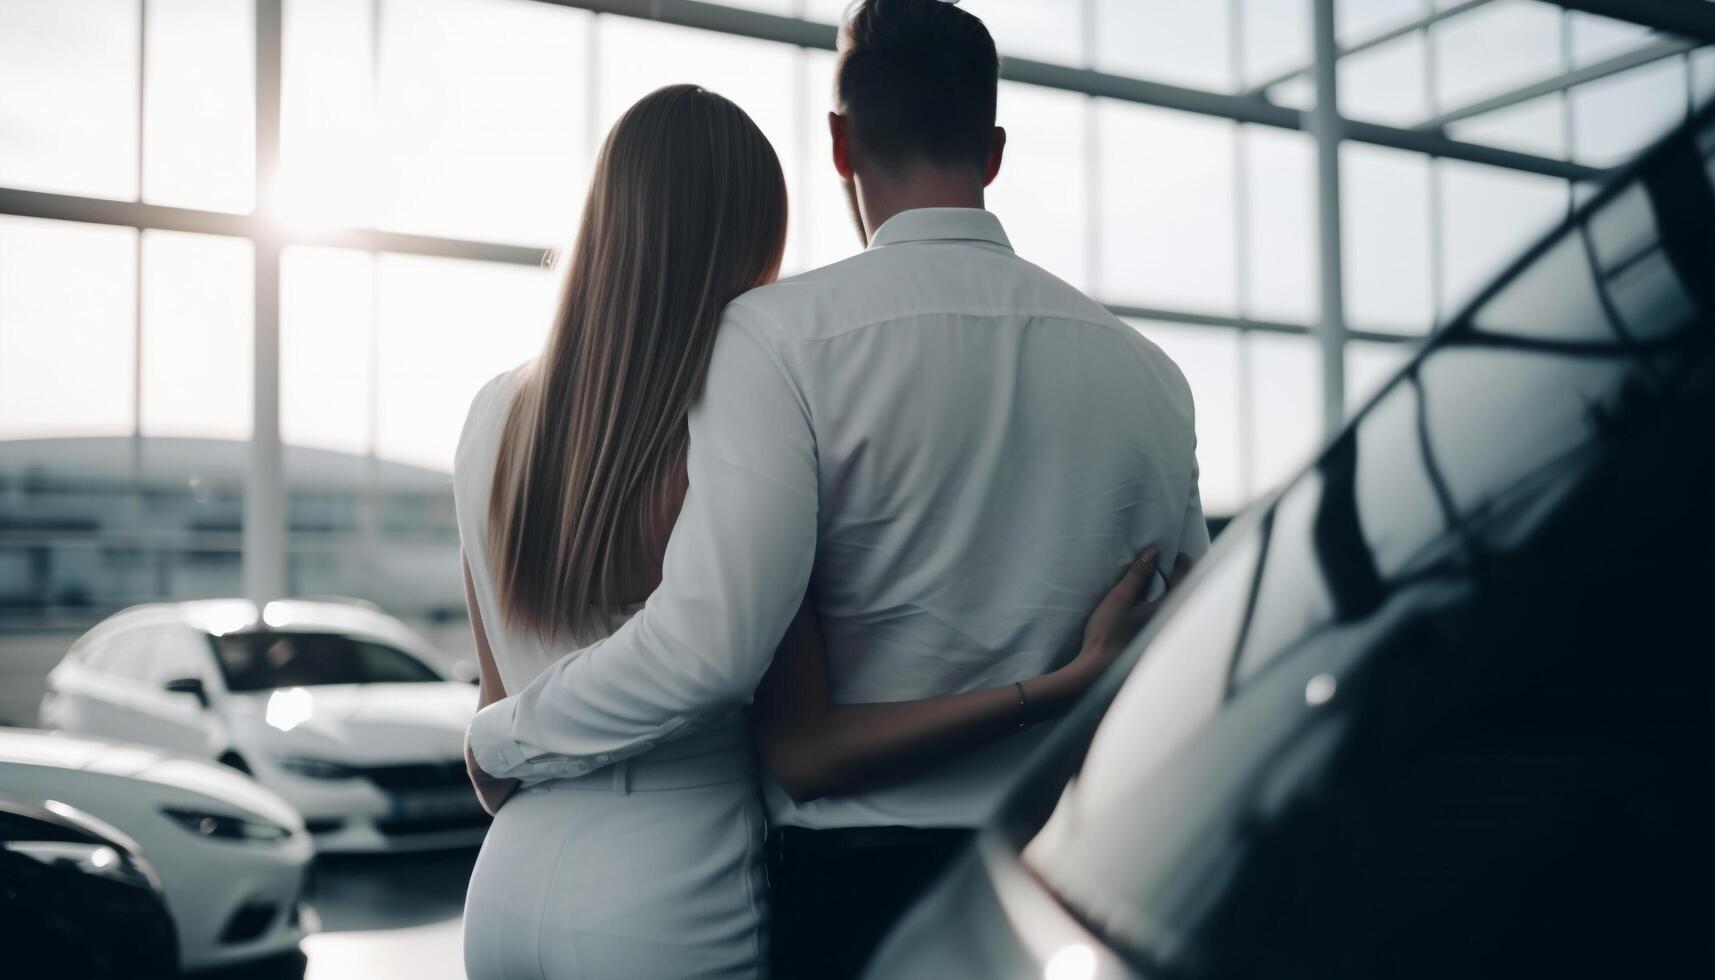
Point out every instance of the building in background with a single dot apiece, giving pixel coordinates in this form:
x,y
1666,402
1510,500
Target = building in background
x,y
249,239
95,524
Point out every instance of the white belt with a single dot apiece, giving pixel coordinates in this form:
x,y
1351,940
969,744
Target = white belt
x,y
643,774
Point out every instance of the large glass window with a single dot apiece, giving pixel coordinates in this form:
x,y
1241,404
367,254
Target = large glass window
x,y
826,11
1385,208
781,7
446,327
482,119
327,348
197,326
823,227
1385,83
68,302
1496,48
199,116
477,120
464,118
1595,38
1210,359
1283,390
1535,126
328,144
1166,187
637,57
1050,32
68,96
1041,191
1359,20
1186,42
1275,37
1280,229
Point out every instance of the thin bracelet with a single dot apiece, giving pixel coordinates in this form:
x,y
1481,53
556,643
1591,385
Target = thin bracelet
x,y
1023,706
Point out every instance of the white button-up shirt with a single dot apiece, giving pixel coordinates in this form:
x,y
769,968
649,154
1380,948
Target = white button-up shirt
x,y
956,452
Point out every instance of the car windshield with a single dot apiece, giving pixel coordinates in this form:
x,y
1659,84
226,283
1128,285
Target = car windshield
x,y
266,660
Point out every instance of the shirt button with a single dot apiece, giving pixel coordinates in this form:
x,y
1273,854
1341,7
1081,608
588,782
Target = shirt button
x,y
604,757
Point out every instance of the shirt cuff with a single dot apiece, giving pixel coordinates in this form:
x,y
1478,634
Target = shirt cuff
x,y
491,743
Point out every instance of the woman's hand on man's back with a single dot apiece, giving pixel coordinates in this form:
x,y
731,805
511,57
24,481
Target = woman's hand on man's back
x,y
1123,613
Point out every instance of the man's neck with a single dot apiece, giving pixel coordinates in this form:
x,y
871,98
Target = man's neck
x,y
881,199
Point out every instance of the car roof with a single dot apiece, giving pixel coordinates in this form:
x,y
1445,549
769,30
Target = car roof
x,y
218,617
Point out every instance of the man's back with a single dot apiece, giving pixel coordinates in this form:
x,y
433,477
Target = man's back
x,y
991,449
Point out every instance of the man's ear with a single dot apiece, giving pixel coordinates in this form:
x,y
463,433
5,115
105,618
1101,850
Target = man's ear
x,y
997,149
841,132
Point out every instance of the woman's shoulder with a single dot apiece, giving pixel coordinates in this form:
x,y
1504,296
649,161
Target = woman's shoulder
x,y
494,399
500,388
487,416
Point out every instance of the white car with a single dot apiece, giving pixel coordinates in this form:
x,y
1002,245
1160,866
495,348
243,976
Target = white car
x,y
232,857
333,705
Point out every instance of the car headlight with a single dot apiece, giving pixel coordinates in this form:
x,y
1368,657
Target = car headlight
x,y
315,768
99,860
226,826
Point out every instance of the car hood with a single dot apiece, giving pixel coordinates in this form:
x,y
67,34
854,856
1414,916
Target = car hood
x,y
360,723
124,760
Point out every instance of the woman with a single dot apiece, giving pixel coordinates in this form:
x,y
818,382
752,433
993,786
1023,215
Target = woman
x,y
569,476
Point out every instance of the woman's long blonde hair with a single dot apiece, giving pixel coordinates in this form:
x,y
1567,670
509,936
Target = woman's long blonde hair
x,y
686,210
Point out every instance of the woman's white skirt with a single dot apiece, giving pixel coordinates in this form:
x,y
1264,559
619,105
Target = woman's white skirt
x,y
650,868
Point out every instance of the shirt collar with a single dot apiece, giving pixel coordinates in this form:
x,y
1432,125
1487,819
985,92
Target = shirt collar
x,y
941,224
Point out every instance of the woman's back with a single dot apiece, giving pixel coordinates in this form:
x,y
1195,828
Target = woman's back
x,y
518,654
567,477
521,654
649,867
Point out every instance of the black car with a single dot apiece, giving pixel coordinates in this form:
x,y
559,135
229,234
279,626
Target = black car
x,y
1443,706
76,898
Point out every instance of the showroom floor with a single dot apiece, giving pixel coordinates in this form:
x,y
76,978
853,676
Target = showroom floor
x,y
396,915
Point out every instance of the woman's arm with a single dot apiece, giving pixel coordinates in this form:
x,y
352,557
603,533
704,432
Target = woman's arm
x,y
490,791
815,747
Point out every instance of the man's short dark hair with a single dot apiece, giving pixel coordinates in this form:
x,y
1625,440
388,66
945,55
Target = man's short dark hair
x,y
916,82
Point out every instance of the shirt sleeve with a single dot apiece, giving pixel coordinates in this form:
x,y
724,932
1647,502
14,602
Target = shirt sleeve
x,y
1194,529
736,568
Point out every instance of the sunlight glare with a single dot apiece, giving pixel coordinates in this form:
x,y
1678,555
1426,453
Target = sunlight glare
x,y
1074,962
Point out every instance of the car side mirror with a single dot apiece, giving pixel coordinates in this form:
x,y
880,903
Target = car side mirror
x,y
189,685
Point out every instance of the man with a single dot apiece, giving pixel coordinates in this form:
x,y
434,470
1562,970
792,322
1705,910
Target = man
x,y
955,452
